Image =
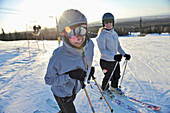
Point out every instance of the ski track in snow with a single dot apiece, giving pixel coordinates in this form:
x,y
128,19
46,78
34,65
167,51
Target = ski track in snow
x,y
151,72
22,87
21,64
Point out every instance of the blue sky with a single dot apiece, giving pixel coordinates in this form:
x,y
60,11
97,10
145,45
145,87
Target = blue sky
x,y
16,14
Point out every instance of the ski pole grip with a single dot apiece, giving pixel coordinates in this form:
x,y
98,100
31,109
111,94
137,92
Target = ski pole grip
x,y
82,84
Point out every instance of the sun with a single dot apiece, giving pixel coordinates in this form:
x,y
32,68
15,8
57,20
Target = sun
x,y
43,13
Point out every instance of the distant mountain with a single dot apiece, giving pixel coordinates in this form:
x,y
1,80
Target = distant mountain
x,y
156,18
144,18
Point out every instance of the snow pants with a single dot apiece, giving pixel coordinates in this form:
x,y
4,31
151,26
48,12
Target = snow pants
x,y
107,67
66,104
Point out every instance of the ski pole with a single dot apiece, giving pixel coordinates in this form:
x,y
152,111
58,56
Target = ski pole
x,y
111,75
91,74
123,74
102,93
83,86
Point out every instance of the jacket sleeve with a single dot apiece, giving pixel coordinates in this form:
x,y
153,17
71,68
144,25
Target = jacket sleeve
x,y
120,50
52,74
101,41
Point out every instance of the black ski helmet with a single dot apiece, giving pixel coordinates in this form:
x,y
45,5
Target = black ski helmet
x,y
107,16
69,18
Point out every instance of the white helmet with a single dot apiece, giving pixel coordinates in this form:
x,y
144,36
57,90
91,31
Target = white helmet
x,y
71,17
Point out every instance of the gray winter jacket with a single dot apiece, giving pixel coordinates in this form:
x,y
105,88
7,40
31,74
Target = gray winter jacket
x,y
63,60
108,44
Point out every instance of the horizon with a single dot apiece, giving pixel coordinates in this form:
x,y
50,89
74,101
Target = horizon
x,y
16,15
118,20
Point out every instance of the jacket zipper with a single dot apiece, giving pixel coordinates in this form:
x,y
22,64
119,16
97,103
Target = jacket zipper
x,y
85,63
83,56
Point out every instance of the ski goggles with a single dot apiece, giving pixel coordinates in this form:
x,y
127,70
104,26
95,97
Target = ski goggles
x,y
80,30
108,21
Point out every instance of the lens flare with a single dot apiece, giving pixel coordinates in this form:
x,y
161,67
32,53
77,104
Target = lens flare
x,y
68,29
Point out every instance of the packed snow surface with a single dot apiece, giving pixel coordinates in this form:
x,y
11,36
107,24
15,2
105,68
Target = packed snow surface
x,y
147,76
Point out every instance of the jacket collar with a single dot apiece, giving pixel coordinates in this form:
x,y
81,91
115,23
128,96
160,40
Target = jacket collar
x,y
74,50
111,31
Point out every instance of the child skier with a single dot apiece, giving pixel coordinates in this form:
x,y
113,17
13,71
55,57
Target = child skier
x,y
71,62
108,44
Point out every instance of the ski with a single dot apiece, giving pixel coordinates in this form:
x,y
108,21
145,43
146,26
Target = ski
x,y
120,103
52,104
125,106
109,94
147,105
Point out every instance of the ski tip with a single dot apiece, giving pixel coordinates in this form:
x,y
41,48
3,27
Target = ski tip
x,y
156,108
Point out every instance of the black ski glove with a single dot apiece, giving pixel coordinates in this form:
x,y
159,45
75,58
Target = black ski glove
x,y
127,56
82,85
78,74
118,57
91,74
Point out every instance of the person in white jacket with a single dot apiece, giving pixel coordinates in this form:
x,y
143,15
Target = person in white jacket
x,y
70,63
109,47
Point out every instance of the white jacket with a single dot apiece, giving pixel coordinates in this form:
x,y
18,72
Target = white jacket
x,y
109,45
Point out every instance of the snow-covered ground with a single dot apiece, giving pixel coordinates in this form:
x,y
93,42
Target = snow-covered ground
x,y
147,76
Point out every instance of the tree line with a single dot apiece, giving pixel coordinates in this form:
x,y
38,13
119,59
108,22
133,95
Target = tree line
x,y
122,28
